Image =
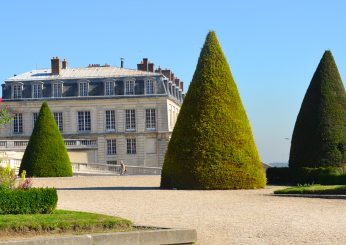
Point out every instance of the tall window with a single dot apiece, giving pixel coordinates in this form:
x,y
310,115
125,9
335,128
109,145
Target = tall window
x,y
150,119
170,116
18,123
57,90
109,88
129,87
131,146
83,89
17,91
37,90
59,120
111,147
149,87
84,121
130,120
110,120
34,118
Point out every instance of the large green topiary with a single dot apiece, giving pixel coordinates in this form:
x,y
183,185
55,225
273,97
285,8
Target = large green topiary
x,y
46,154
212,146
319,136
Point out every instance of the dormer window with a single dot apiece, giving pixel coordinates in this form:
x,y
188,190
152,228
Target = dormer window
x,y
17,91
57,89
149,87
109,88
130,87
83,89
36,90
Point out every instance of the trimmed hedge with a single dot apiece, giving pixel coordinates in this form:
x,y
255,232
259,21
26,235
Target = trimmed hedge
x,y
319,136
212,145
46,154
30,201
323,175
278,176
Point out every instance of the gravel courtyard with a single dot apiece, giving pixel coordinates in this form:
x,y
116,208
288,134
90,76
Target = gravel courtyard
x,y
220,217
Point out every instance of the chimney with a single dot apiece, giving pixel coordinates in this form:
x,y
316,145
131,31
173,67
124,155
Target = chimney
x,y
122,62
172,77
55,65
158,70
167,73
151,67
177,81
181,85
64,64
145,65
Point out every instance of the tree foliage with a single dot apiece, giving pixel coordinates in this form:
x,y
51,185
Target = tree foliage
x,y
319,136
212,146
46,154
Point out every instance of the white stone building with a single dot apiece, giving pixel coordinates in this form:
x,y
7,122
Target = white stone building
x,y
104,113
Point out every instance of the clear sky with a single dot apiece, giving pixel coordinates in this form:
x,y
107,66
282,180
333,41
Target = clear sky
x,y
273,47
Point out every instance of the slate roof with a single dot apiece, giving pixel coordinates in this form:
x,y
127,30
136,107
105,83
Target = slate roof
x,y
80,73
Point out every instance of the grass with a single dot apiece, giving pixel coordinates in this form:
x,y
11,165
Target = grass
x,y
315,189
60,221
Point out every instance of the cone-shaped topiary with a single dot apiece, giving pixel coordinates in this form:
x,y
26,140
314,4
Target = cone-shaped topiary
x,y
46,154
319,136
212,146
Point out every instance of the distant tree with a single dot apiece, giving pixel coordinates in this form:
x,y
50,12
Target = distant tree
x,y
46,154
212,146
319,136
5,114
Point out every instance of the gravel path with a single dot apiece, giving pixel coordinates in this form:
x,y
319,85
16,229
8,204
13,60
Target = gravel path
x,y
220,217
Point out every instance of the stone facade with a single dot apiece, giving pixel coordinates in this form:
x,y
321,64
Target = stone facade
x,y
130,121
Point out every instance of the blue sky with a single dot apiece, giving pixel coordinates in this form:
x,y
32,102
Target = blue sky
x,y
273,47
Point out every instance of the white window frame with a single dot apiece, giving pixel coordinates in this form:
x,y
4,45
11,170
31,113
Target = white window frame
x,y
110,120
130,120
17,91
84,121
150,119
83,88
59,119
149,86
111,146
131,146
36,91
57,89
34,118
18,123
109,88
130,87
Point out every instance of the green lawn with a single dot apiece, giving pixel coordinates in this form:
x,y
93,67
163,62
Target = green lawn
x,y
61,221
314,189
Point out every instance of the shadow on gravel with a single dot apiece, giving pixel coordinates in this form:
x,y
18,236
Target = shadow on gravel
x,y
111,188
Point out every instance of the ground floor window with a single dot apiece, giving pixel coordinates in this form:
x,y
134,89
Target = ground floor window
x,y
18,123
84,121
111,147
131,145
59,120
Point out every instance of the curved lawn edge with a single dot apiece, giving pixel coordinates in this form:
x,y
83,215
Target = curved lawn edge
x,y
61,221
314,190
